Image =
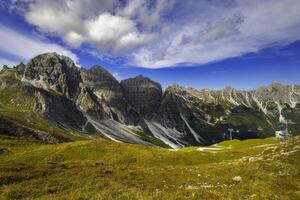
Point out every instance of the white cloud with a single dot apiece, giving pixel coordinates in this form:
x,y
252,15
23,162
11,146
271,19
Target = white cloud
x,y
25,47
74,39
114,33
92,22
246,26
164,33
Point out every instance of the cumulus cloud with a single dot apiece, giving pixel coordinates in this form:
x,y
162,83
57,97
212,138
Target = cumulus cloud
x,y
114,33
166,33
25,47
93,22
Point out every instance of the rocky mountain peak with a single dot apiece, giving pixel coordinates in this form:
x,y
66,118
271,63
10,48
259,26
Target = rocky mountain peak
x,y
55,72
141,77
97,77
102,83
176,89
108,91
228,88
143,80
144,94
99,70
274,86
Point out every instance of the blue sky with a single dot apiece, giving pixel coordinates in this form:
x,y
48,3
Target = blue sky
x,y
196,43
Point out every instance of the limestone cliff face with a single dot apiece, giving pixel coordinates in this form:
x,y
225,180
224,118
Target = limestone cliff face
x,y
55,72
144,94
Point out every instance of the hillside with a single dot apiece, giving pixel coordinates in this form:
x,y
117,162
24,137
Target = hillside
x,y
100,169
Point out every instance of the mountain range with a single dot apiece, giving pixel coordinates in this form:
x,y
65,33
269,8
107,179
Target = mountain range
x,y
53,100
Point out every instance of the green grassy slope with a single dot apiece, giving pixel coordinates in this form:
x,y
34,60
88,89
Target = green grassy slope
x,y
99,169
17,107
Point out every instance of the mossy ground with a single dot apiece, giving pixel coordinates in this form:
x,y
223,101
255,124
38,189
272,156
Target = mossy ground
x,y
99,169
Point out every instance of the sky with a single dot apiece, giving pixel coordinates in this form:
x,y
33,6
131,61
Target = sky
x,y
194,43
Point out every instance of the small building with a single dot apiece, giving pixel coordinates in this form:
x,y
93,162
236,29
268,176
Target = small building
x,y
282,134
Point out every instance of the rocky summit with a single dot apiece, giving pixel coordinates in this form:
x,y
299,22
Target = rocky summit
x,y
53,71
50,98
144,94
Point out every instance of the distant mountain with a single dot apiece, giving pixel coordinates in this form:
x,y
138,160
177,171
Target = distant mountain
x,y
51,99
203,116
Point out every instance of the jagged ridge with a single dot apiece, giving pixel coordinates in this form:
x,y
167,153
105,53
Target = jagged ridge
x,y
91,101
